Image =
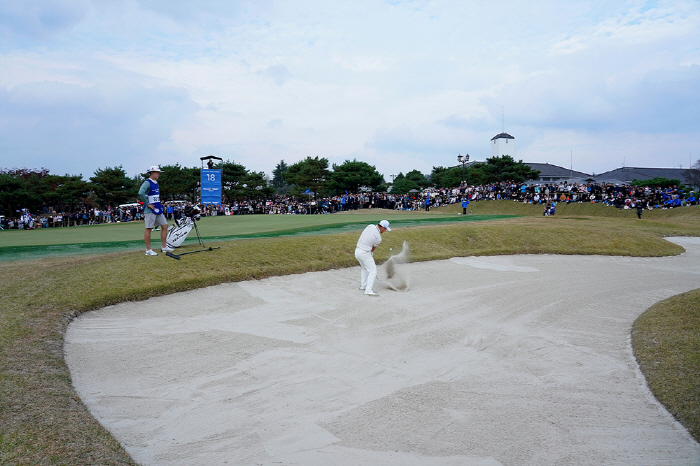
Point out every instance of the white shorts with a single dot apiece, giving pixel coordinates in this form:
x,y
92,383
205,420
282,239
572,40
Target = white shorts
x,y
152,220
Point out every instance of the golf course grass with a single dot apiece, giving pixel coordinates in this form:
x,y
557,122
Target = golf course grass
x,y
42,420
119,237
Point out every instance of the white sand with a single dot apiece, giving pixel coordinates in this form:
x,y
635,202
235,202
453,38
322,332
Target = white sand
x,y
513,360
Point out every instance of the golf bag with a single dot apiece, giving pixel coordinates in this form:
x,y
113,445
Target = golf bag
x,y
26,221
178,232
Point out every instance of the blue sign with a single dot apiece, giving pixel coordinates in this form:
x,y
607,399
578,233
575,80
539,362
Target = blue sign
x,y
211,186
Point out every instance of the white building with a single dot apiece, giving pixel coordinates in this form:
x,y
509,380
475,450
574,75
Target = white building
x,y
503,144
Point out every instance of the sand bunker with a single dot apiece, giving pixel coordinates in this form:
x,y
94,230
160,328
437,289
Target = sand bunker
x,y
485,361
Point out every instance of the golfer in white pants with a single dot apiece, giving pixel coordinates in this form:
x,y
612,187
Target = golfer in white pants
x,y
368,242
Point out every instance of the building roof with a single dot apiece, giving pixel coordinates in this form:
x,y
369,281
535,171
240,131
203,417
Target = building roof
x,y
549,170
628,174
502,136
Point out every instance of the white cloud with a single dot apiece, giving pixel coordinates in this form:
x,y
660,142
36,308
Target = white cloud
x,y
71,129
39,20
363,63
637,25
401,85
278,73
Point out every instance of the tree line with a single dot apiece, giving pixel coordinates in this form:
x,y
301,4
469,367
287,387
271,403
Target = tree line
x,y
39,190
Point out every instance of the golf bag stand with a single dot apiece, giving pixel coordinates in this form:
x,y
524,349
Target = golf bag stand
x,y
201,243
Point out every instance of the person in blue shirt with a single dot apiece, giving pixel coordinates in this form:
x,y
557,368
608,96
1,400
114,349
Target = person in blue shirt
x,y
153,211
465,204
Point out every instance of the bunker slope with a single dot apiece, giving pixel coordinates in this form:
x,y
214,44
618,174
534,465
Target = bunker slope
x,y
485,361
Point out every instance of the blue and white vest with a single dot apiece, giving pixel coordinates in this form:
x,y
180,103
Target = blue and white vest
x,y
154,197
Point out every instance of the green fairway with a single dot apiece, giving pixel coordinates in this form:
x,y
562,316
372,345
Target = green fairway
x,y
95,239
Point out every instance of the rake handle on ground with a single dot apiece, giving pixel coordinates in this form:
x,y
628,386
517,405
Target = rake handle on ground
x,y
177,256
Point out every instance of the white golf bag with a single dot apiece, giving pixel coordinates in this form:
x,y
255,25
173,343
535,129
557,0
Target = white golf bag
x,y
177,233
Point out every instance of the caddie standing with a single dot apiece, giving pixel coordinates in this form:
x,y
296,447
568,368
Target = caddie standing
x,y
153,211
369,240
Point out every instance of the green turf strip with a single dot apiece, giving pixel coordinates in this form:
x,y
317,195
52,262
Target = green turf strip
x,y
218,226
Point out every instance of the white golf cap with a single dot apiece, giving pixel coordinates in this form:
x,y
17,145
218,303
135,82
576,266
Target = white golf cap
x,y
154,168
385,224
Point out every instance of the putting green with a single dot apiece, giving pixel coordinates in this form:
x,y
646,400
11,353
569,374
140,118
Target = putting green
x,y
32,244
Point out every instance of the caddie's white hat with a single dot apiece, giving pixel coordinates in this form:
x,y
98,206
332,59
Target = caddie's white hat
x,y
385,224
154,168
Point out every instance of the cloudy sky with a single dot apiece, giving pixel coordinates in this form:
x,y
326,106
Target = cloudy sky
x,y
399,84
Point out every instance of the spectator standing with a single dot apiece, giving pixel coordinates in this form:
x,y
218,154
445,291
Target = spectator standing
x,y
640,208
465,204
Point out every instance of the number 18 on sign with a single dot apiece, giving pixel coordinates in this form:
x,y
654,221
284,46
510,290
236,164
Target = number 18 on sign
x,y
211,186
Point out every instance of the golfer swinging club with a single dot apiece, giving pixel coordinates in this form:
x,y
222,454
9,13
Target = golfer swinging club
x,y
368,242
153,211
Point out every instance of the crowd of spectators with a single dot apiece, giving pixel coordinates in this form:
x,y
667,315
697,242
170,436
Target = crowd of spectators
x,y
328,205
617,195
546,194
49,218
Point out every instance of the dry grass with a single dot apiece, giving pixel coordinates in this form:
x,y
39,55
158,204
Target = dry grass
x,y
666,342
43,422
